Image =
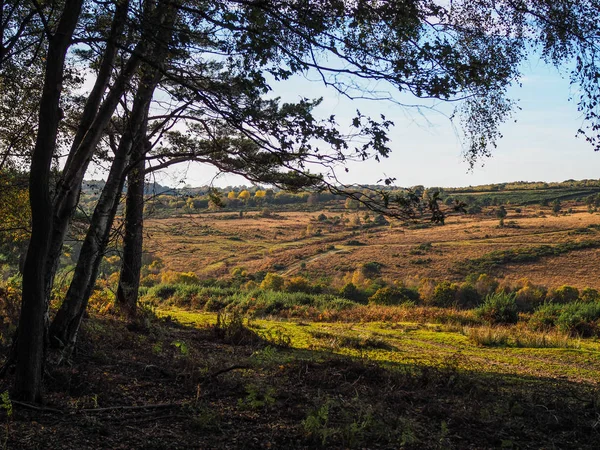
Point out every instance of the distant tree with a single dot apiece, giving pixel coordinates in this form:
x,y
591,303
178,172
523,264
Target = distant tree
x,y
501,212
556,206
244,195
351,203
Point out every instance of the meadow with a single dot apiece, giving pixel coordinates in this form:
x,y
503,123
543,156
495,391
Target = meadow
x,y
212,244
330,327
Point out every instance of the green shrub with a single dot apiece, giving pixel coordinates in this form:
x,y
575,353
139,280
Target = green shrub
x,y
498,308
529,297
393,296
545,316
351,292
298,284
162,291
444,294
372,268
589,295
580,319
563,294
273,282
467,296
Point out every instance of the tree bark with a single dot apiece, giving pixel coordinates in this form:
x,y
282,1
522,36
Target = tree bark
x,y
64,328
133,239
34,308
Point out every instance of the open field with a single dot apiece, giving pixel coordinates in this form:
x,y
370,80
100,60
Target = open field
x,y
212,244
190,383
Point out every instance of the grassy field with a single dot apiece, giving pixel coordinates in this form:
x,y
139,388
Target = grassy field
x,y
211,245
192,380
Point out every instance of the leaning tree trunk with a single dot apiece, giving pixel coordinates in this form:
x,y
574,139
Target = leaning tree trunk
x,y
64,328
34,309
129,280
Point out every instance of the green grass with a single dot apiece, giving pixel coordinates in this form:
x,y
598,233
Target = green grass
x,y
431,345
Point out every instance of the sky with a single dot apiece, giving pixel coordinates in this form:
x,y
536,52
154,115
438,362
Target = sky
x,y
426,150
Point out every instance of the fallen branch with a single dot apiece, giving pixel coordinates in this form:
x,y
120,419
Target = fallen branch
x,y
130,408
228,369
36,408
95,410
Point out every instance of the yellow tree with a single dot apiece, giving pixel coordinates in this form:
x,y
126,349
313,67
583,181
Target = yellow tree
x,y
244,195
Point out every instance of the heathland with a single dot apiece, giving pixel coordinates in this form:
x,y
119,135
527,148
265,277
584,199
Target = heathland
x,y
280,320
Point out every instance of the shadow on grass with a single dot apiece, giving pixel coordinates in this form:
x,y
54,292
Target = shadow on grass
x,y
255,393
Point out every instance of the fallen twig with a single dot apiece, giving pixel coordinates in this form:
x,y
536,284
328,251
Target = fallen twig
x,y
228,369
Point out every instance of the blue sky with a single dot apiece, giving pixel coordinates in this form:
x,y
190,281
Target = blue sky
x,y
540,146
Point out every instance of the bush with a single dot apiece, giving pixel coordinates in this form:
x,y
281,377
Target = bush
x,y
589,295
372,268
545,316
162,291
298,284
563,294
444,294
393,296
171,277
580,319
486,285
351,292
499,308
467,296
529,297
273,282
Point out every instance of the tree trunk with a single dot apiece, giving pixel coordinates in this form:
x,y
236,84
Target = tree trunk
x,y
133,239
34,308
64,328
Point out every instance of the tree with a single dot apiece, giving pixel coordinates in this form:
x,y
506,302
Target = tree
x,y
244,195
468,52
556,206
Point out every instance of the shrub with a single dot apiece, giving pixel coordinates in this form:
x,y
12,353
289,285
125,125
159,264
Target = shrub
x,y
545,316
150,280
589,295
529,296
162,291
486,285
351,292
444,294
467,296
273,282
372,268
563,294
498,308
298,284
171,277
380,220
393,296
580,319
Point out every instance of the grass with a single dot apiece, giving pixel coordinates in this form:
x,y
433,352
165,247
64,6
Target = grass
x,y
491,336
203,244
494,350
490,262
